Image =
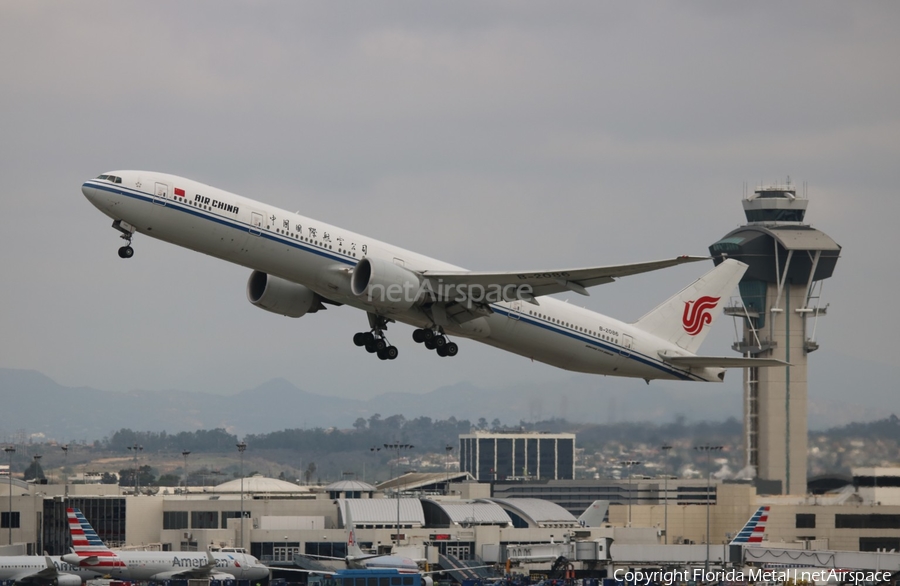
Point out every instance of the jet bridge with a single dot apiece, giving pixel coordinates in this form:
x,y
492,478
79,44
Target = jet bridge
x,y
849,560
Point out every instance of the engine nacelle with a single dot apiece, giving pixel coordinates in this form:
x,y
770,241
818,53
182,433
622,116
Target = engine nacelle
x,y
282,297
385,284
67,580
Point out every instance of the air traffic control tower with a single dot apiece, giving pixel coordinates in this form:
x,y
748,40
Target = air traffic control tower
x,y
788,261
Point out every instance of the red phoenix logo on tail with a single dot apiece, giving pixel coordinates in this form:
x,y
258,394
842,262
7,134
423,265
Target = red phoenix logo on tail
x,y
697,314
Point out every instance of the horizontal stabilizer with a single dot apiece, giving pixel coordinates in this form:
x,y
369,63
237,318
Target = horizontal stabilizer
x,y
721,361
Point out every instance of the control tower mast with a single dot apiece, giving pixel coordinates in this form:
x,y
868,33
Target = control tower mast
x,y
788,261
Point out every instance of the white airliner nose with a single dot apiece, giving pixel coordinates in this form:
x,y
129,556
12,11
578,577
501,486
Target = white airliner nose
x,y
103,199
94,195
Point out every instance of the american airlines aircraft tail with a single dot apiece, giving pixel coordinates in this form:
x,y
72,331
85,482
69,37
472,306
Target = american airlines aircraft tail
x,y
682,319
755,528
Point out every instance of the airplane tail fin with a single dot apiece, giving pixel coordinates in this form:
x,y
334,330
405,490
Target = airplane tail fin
x,y
87,547
353,549
684,318
755,528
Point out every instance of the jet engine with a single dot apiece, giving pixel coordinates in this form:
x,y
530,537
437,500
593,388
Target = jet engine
x,y
385,284
280,296
67,580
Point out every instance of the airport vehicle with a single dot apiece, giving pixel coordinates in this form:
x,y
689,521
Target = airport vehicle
x,y
301,265
89,551
45,570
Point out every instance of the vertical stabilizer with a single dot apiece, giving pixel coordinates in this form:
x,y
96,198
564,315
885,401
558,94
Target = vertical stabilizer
x,y
755,528
87,545
353,550
685,318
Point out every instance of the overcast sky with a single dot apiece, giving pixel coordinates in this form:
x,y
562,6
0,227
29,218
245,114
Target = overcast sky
x,y
493,135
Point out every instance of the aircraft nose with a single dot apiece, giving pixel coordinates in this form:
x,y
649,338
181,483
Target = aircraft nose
x,y
100,198
91,193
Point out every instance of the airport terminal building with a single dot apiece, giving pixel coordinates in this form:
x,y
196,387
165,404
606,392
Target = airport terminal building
x,y
446,513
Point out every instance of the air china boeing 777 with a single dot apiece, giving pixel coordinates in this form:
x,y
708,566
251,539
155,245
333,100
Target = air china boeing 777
x,y
300,265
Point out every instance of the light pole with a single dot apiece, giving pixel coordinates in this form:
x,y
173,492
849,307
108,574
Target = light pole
x,y
241,447
709,450
448,448
374,450
631,464
398,447
665,448
137,471
65,449
10,450
185,453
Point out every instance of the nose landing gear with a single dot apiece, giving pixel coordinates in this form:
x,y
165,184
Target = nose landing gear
x,y
435,340
127,231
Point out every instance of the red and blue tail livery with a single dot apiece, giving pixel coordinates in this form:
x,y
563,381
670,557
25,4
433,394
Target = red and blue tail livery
x,y
87,545
754,530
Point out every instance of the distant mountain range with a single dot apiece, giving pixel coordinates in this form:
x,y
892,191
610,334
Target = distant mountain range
x,y
34,403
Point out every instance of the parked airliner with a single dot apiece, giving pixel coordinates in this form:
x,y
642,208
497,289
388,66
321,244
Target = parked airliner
x,y
44,570
89,552
300,265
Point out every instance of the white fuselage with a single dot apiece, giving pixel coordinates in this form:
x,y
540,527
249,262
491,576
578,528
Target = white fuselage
x,y
153,565
322,257
20,567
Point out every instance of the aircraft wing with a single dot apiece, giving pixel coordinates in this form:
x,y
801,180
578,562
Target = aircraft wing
x,y
510,286
47,575
721,361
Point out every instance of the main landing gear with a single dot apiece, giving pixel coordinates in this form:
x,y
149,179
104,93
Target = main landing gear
x,y
127,231
435,340
374,340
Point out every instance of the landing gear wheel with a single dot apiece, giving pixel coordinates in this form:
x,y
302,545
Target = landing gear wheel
x,y
126,252
451,349
441,350
359,339
368,338
439,341
430,344
419,335
391,352
382,354
380,344
428,334
370,348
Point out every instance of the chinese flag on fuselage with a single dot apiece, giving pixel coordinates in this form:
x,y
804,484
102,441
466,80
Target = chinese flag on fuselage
x,y
179,191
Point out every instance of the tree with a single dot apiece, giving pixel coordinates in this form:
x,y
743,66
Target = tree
x,y
310,470
169,480
359,424
108,478
34,472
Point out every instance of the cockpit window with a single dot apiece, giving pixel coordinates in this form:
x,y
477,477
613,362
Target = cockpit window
x,y
110,178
